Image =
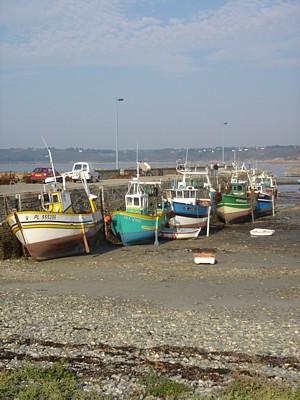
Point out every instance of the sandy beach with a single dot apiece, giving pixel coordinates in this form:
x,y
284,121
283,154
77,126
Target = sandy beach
x,y
166,274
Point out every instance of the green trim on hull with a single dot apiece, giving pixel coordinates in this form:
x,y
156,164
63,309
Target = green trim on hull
x,y
233,208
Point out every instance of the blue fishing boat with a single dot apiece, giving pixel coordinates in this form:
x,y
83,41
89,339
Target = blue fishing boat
x,y
191,202
264,205
266,187
198,210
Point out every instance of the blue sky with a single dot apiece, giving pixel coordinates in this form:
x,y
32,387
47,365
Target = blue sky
x,y
183,68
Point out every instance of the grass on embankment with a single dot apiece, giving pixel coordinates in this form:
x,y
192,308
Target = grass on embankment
x,y
56,383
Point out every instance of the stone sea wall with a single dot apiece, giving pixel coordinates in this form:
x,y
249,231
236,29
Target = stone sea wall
x,y
10,176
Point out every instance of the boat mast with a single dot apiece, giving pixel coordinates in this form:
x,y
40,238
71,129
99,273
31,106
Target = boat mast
x,y
137,162
185,167
51,161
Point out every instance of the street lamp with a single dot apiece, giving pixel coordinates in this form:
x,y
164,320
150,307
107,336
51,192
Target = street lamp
x,y
223,159
117,132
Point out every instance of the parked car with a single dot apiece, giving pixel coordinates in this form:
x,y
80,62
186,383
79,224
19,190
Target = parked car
x,y
90,174
39,174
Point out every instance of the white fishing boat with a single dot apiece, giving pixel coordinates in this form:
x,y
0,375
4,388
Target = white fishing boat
x,y
179,233
261,232
54,229
182,221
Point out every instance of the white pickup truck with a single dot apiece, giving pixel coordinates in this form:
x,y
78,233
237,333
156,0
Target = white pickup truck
x,y
90,174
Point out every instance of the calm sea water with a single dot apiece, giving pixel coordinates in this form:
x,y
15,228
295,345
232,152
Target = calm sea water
x,y
278,170
288,195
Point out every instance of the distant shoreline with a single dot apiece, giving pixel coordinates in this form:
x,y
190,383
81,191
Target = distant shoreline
x,y
281,169
278,160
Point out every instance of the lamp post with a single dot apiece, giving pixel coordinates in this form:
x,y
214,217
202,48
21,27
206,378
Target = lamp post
x,y
223,158
117,132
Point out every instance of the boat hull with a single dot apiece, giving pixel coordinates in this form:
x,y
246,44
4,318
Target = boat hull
x,y
233,208
264,205
200,210
181,221
179,233
261,232
48,235
132,228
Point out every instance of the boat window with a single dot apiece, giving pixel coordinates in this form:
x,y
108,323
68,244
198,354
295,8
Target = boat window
x,y
46,198
65,197
136,201
129,201
55,198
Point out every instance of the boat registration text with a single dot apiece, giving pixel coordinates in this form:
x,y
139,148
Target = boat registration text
x,y
44,217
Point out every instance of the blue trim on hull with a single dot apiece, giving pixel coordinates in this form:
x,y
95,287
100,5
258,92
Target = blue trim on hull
x,y
264,205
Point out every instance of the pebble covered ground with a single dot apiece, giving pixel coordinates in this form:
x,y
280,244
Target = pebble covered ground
x,y
113,315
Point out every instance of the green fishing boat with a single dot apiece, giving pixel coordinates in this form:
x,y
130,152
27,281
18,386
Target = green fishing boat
x,y
142,220
237,204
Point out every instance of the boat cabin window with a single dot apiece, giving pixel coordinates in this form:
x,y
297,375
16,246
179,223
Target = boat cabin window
x,y
55,198
237,188
46,198
133,201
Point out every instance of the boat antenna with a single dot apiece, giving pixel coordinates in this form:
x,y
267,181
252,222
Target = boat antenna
x,y
186,157
51,161
185,166
137,162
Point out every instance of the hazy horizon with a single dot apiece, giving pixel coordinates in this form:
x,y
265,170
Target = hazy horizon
x,y
153,149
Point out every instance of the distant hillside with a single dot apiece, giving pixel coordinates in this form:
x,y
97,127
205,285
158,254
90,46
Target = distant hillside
x,y
200,155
